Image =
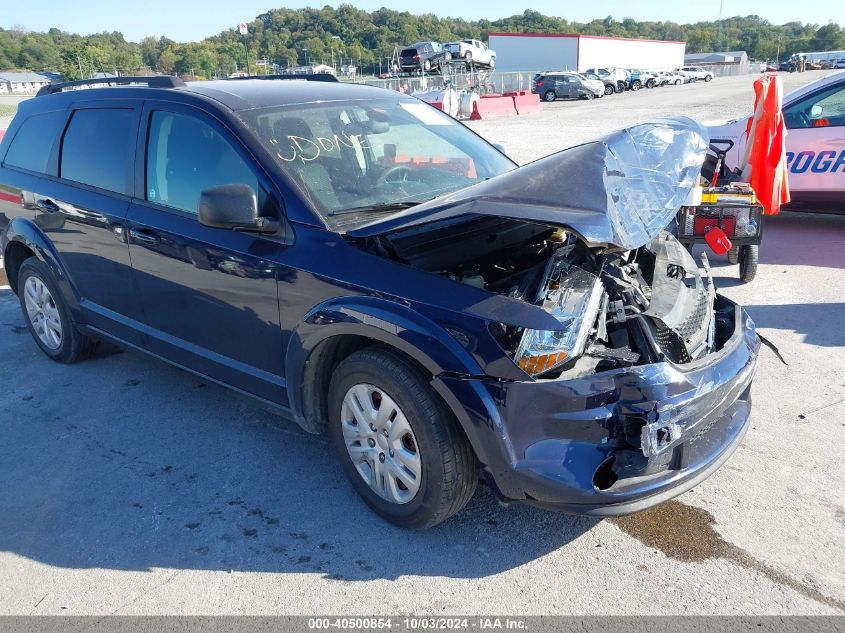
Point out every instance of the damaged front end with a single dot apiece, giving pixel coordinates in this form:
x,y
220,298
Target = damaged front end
x,y
639,387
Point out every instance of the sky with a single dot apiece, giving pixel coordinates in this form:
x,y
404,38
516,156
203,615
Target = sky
x,y
191,20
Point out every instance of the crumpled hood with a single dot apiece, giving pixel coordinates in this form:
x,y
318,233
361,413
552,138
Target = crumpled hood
x,y
619,190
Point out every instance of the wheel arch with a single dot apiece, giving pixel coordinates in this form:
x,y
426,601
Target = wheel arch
x,y
338,328
26,240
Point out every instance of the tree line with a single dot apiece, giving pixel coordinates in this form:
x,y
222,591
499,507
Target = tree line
x,y
291,37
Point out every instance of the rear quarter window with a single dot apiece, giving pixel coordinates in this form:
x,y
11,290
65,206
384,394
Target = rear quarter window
x,y
97,148
30,148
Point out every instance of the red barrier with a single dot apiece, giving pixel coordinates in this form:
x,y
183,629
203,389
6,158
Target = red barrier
x,y
492,106
2,134
527,103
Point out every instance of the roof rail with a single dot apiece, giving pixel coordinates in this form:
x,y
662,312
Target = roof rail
x,y
156,81
306,76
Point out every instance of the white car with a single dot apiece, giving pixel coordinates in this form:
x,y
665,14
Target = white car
x,y
815,144
472,51
619,75
840,64
696,73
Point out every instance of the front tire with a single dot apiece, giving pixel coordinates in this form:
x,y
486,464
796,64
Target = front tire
x,y
620,86
608,90
708,78
636,85
650,83
397,442
47,316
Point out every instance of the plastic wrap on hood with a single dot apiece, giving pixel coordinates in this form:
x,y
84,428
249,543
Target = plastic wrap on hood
x,y
620,190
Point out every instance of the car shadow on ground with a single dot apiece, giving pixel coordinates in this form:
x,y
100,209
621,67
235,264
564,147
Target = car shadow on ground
x,y
122,462
822,324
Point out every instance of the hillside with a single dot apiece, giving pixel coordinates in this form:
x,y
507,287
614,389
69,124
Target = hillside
x,y
284,35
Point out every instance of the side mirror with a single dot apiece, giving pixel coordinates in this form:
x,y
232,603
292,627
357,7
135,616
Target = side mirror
x,y
233,207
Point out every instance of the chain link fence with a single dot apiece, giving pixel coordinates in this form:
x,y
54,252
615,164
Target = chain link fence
x,y
482,81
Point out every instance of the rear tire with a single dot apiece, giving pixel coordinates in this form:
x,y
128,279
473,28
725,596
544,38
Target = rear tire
x,y
47,316
748,257
608,90
636,85
549,96
433,444
620,86
733,255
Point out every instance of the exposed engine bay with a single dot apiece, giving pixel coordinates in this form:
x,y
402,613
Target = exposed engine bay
x,y
616,307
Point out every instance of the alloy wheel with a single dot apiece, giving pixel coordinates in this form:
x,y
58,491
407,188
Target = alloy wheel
x,y
43,313
381,443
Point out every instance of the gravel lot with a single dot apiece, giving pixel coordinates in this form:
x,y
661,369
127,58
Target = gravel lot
x,y
130,487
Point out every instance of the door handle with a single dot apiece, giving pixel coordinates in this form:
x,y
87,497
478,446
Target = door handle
x,y
47,206
144,236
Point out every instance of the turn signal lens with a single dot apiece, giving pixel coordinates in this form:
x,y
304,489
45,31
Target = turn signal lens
x,y
534,365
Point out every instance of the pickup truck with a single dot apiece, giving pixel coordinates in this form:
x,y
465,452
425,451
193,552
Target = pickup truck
x,y
472,51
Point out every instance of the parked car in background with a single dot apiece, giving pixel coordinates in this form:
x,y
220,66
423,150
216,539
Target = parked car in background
x,y
619,75
641,79
610,85
474,51
670,78
372,269
566,85
696,73
840,63
815,144
423,57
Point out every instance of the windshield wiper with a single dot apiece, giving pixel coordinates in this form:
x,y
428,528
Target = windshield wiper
x,y
378,207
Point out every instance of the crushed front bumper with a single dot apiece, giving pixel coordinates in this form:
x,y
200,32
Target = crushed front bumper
x,y
613,442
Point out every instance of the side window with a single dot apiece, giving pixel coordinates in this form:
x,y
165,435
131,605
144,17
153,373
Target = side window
x,y
185,156
30,149
823,109
97,148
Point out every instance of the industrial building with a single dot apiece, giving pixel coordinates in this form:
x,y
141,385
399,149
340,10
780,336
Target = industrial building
x,y
570,51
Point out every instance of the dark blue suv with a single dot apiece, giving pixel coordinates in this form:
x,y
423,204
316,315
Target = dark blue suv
x,y
371,268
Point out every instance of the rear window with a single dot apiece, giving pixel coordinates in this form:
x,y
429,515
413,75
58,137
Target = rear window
x,y
97,148
31,147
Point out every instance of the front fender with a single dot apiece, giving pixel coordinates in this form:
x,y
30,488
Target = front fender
x,y
26,232
388,322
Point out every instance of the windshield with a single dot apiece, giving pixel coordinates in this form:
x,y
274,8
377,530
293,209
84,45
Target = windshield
x,y
348,156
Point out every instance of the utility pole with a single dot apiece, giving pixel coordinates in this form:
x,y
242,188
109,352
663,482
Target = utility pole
x,y
719,32
243,29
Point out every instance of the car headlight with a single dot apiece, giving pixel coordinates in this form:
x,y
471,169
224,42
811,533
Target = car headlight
x,y
574,297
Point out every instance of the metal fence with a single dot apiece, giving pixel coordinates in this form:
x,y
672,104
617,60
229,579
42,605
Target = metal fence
x,y
731,70
485,82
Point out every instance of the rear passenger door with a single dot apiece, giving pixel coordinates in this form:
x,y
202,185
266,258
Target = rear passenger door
x,y
84,204
209,295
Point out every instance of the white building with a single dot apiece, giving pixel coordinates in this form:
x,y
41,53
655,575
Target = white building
x,y
570,51
21,83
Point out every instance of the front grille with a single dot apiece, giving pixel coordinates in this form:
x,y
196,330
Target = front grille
x,y
671,344
691,327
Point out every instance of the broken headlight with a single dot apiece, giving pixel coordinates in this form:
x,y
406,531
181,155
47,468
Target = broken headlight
x,y
573,296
